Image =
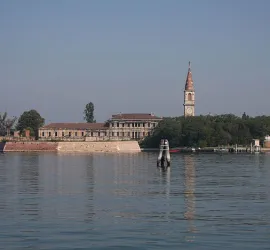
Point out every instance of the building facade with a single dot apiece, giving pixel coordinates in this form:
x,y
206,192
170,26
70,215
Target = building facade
x,y
189,95
266,142
119,127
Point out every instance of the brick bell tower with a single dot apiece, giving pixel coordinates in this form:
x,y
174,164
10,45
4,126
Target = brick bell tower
x,y
189,95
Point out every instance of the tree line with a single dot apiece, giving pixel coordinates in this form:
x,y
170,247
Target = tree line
x,y
207,131
31,120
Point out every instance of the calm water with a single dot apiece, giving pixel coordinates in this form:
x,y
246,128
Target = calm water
x,y
122,201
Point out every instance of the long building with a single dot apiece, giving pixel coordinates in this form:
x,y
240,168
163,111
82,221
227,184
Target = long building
x,y
118,127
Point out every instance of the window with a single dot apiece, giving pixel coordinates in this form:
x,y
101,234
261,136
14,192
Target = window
x,y
133,125
123,125
189,97
82,133
49,133
117,124
148,133
98,133
76,133
63,133
69,133
55,134
149,124
43,134
143,125
105,133
143,133
92,134
112,133
129,134
117,133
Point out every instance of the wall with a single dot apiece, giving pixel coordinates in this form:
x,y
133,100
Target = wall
x,y
110,146
106,146
30,146
266,144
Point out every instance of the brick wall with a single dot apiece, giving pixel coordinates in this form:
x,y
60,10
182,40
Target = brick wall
x,y
267,144
30,146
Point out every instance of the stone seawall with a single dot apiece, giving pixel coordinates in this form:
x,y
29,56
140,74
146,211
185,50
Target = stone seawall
x,y
30,146
110,146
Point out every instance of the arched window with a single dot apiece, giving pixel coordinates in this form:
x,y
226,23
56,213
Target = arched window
x,y
189,97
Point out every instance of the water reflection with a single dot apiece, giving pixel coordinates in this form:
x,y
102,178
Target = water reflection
x,y
90,184
190,178
165,174
95,201
28,188
3,181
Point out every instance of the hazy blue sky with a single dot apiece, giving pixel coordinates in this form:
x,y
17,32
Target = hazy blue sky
x,y
132,56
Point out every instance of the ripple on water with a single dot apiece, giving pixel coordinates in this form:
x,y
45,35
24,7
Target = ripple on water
x,y
122,201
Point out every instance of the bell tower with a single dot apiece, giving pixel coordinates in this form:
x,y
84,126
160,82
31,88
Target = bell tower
x,y
189,95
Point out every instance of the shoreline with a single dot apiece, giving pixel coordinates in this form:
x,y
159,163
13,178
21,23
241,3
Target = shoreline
x,y
102,146
70,147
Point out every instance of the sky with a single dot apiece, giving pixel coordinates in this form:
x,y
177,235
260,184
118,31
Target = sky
x,y
132,57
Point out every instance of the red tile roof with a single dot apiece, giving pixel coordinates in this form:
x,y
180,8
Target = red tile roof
x,y
135,116
83,126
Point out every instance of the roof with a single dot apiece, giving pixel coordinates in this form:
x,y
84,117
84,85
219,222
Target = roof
x,y
83,126
135,116
189,82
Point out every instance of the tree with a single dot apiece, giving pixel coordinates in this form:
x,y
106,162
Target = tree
x,y
30,119
3,118
6,124
89,112
245,116
9,124
208,130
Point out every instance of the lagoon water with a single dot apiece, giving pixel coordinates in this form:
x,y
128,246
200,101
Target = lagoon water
x,y
122,201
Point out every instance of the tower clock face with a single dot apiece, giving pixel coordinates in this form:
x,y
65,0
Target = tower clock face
x,y
189,111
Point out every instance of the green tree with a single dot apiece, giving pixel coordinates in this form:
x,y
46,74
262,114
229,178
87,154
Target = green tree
x,y
30,119
167,129
89,112
209,130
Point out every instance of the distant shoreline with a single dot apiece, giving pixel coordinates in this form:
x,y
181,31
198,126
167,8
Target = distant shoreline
x,y
105,146
42,146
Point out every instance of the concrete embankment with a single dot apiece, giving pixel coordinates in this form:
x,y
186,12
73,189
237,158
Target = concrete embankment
x,y
110,146
30,146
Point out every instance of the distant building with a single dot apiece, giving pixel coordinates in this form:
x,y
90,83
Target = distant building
x,y
266,143
119,127
189,95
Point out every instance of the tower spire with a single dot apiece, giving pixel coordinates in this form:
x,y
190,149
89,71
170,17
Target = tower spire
x,y
189,81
